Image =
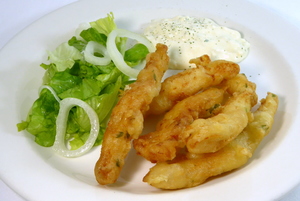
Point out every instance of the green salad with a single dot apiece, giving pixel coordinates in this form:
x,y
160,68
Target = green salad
x,y
87,74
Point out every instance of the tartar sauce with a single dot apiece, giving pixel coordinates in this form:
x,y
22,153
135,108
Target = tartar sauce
x,y
188,37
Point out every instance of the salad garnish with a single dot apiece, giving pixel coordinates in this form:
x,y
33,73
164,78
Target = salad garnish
x,y
81,85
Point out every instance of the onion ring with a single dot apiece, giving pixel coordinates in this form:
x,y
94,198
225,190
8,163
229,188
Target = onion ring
x,y
61,126
117,57
93,47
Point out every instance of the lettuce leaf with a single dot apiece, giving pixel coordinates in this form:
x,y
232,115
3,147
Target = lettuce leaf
x,y
81,81
104,25
136,54
78,44
92,34
41,119
64,56
103,105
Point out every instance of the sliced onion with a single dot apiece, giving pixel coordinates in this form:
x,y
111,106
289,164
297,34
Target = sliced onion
x,y
81,27
117,57
51,90
93,47
61,127
66,105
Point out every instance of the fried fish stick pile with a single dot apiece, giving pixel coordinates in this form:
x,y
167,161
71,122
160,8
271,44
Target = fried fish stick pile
x,y
208,126
127,118
191,81
187,125
207,132
194,169
161,145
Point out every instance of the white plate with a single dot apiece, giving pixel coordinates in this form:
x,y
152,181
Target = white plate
x,y
38,174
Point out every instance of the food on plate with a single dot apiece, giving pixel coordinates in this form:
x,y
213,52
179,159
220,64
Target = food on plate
x,y
184,126
99,86
211,134
127,118
81,85
186,83
240,84
162,144
193,169
188,37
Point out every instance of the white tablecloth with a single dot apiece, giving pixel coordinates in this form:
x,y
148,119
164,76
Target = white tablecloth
x,y
15,15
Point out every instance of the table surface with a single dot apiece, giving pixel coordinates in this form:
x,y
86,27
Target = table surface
x,y
30,10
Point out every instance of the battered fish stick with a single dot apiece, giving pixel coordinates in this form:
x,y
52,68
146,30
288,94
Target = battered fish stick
x,y
190,172
211,134
126,121
240,84
191,81
161,144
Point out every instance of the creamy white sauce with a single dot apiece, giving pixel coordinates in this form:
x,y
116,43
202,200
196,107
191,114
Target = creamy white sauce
x,y
188,37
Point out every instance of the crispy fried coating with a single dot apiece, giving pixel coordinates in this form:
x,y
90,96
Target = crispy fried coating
x,y
161,144
190,171
186,125
126,121
191,81
240,84
211,134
